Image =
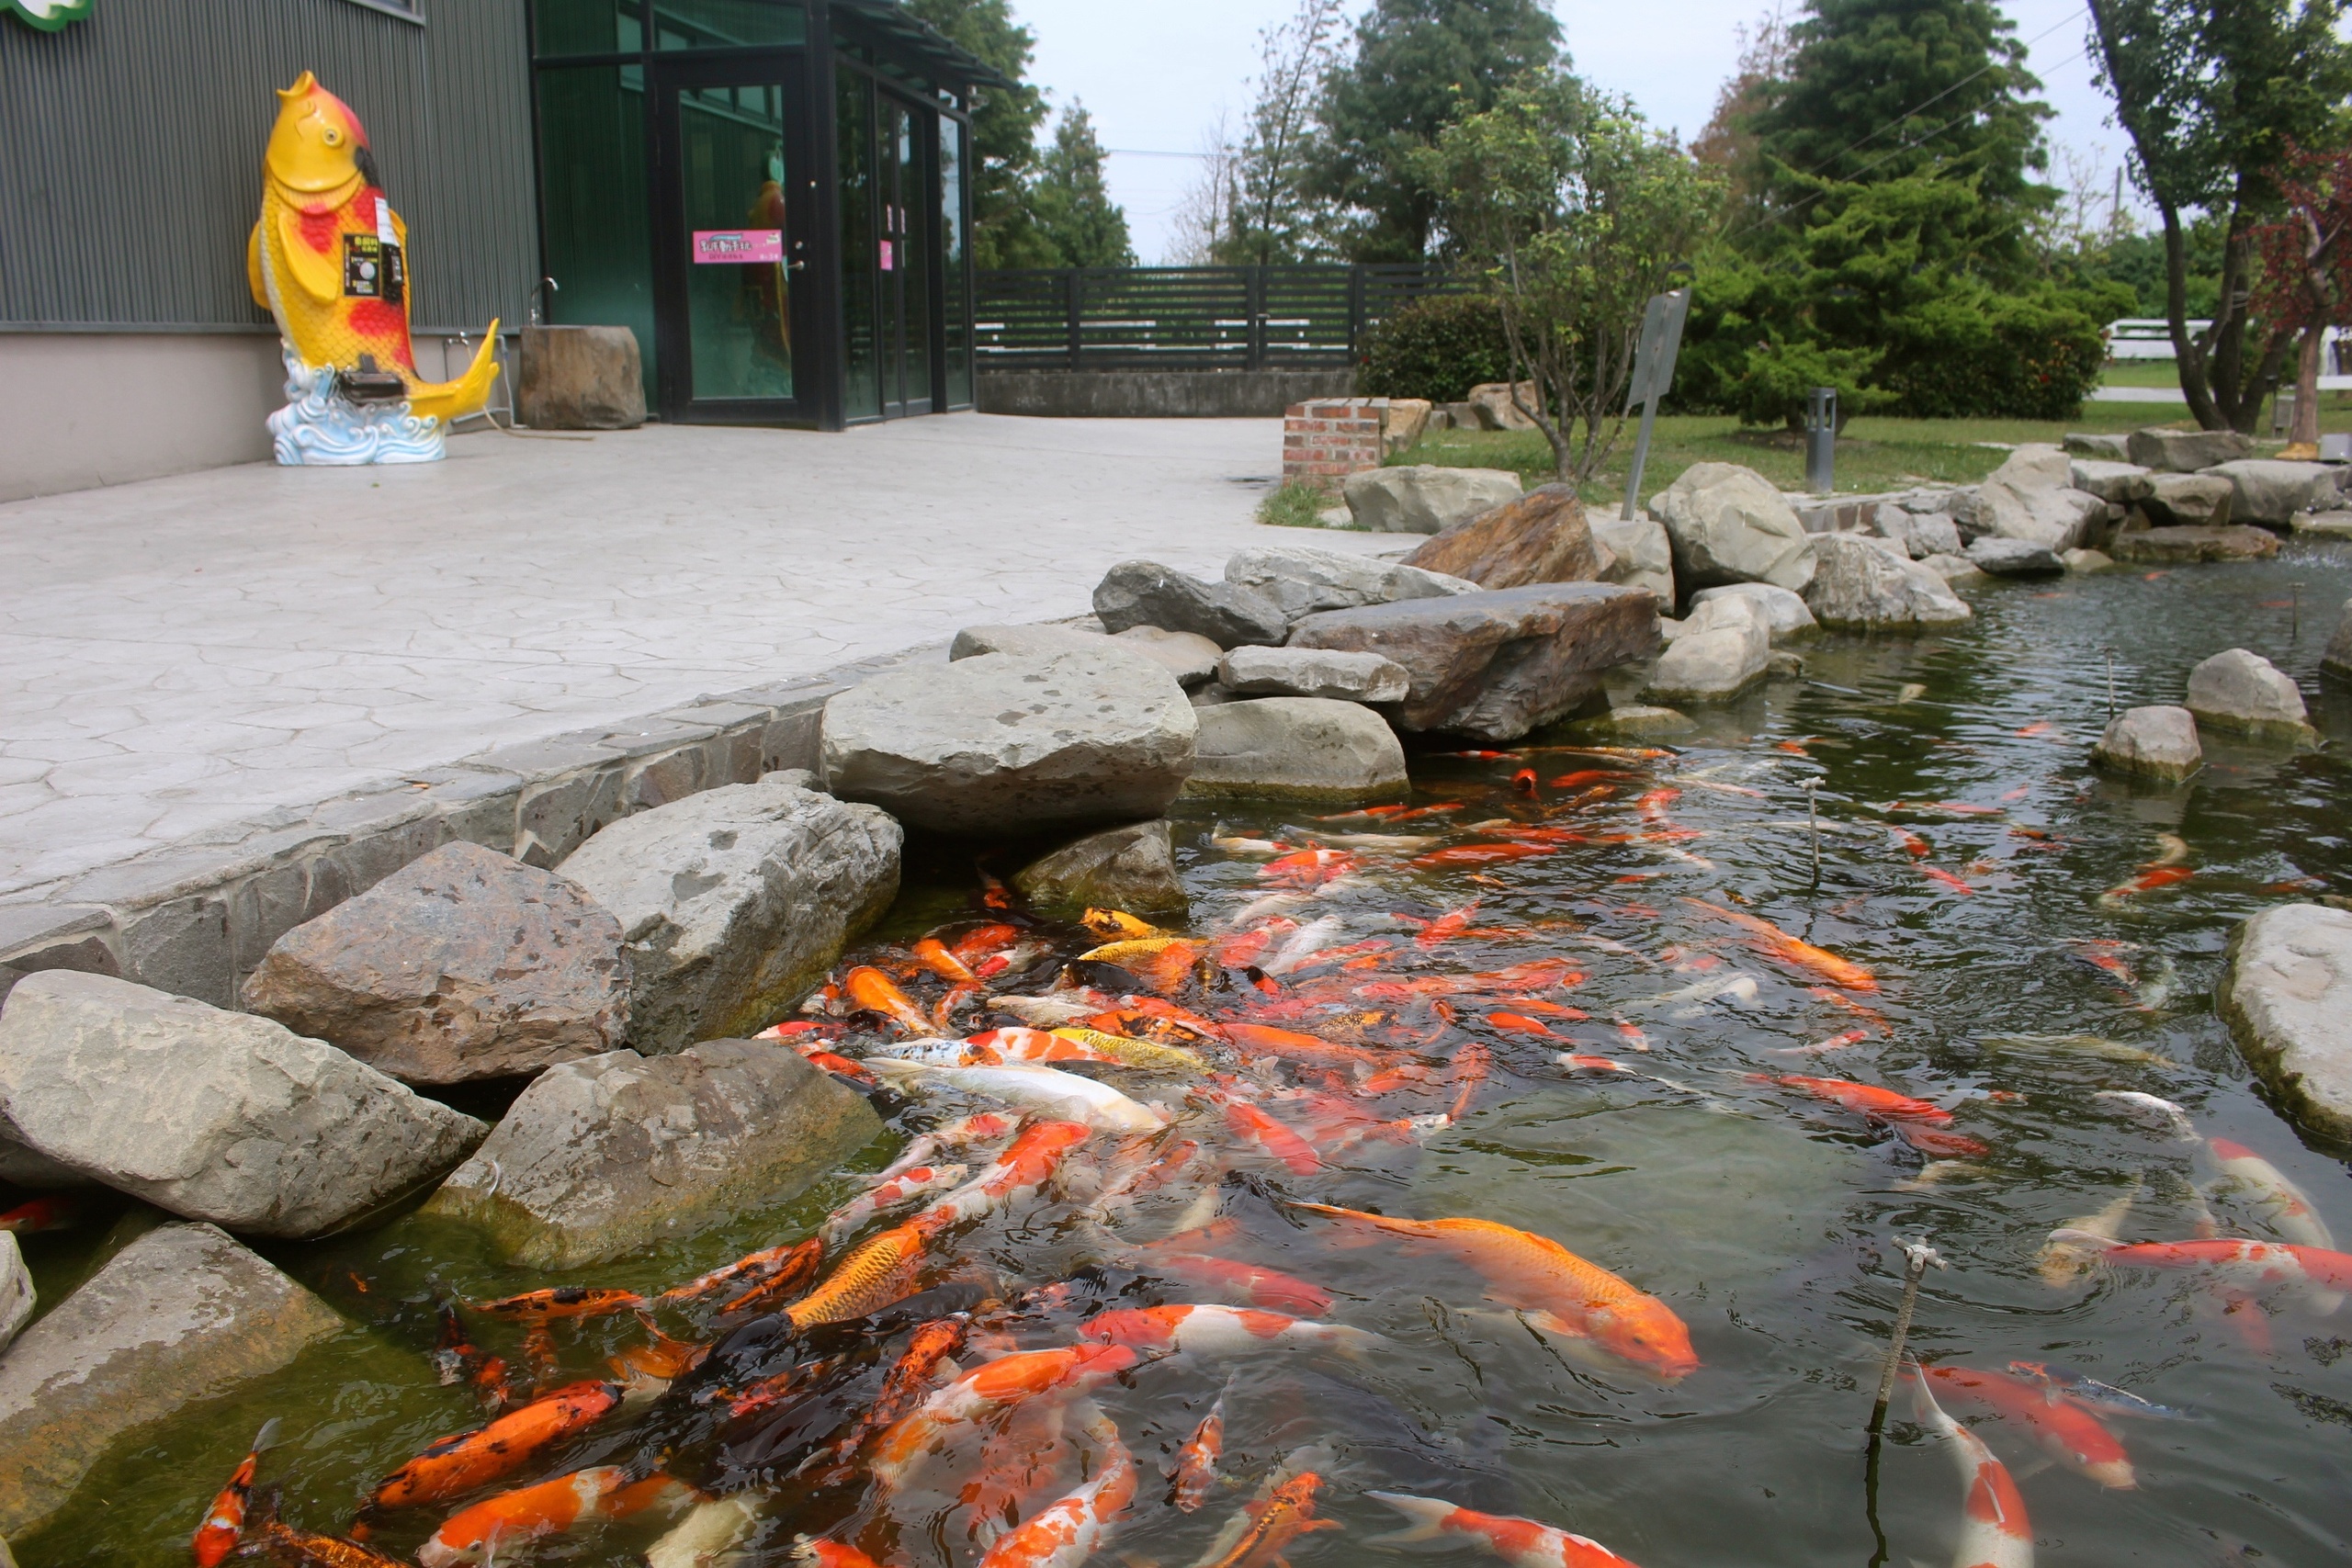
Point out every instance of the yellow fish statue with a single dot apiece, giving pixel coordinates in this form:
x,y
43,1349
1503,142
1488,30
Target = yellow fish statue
x,y
329,260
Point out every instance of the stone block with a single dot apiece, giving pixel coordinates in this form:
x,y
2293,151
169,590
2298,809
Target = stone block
x,y
2159,742
1311,750
2174,547
1131,868
2185,451
2240,691
2286,992
1314,673
1425,499
1145,593
1728,524
1540,536
580,378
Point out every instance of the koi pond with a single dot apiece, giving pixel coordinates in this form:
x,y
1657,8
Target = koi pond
x,y
1601,996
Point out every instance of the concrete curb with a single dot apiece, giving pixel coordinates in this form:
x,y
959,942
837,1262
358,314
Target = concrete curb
x,y
195,917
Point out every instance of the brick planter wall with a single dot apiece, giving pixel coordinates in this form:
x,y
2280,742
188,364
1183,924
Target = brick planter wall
x,y
1327,440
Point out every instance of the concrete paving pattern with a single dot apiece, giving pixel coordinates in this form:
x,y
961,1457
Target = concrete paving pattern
x,y
183,656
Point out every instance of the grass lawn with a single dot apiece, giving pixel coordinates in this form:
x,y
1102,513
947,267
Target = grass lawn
x,y
1872,454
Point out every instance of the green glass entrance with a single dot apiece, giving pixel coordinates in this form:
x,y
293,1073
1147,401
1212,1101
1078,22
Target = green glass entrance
x,y
731,180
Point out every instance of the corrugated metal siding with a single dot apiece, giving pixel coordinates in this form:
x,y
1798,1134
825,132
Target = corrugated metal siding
x,y
130,154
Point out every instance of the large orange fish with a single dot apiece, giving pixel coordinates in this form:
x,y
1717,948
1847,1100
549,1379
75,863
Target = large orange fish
x,y
565,1301
225,1522
794,1262
457,1464
330,260
870,988
1219,1331
1070,1531
1555,1288
501,1527
1269,1527
987,1391
1774,942
1195,1468
881,1270
2066,1432
1522,1543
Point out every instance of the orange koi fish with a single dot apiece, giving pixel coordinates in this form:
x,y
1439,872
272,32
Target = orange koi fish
x,y
1195,1468
1446,927
872,990
1913,845
1270,1526
1577,1061
798,1260
934,955
1957,884
1519,1023
891,1193
1522,1543
987,1391
1260,1286
1027,1165
225,1522
840,1067
2150,880
1480,854
2247,1265
1219,1331
1523,782
1864,1100
284,1543
1774,942
449,1466
1269,1134
881,1270
1655,804
568,1300
456,1357
57,1212
513,1519
1823,1048
1309,868
1583,776
1291,1045
906,1385
1993,1529
814,1553
1070,1531
1478,756
2284,1206
1163,963
661,1357
1552,1287
2065,1431
1162,1017
983,941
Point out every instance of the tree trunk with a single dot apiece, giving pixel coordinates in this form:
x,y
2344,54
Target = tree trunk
x,y
2302,436
2188,353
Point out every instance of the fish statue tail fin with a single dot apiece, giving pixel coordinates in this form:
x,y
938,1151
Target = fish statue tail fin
x,y
447,400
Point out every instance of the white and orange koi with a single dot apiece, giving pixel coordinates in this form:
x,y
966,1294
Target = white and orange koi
x,y
1220,1331
1027,1165
1993,1529
1070,1531
896,1192
500,1526
2065,1431
1195,1468
2282,1204
1522,1543
2242,1265
989,1391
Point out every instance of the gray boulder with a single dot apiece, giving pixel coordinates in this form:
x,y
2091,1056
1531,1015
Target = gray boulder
x,y
1306,750
1424,499
2087,560
1314,673
1636,721
181,1315
1642,556
2014,558
1493,666
2243,692
22,1165
1003,745
1146,594
2110,448
1497,405
734,901
2270,492
1725,648
2185,451
2327,524
608,1156
2337,660
2189,500
2172,547
17,1297
2031,497
1865,586
2035,465
1188,656
1954,569
1921,533
1785,616
1029,641
2117,483
463,965
1307,581
214,1115
2286,992
2160,742
1542,536
1131,868
1728,524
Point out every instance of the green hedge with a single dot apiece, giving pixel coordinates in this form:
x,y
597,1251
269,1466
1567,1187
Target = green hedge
x,y
1436,348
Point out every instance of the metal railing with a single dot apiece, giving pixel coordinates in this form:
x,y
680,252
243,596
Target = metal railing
x,y
1190,318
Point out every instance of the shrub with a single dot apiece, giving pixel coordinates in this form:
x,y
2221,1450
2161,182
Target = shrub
x,y
1296,505
1436,348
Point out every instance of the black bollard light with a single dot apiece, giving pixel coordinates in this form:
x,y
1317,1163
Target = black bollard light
x,y
1821,440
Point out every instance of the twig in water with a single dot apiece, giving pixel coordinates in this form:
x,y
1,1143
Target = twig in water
x,y
1918,1254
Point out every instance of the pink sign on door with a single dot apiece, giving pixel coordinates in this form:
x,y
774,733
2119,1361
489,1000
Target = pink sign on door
x,y
736,247
889,257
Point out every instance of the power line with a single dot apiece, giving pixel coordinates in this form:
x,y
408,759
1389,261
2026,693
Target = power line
x,y
1139,152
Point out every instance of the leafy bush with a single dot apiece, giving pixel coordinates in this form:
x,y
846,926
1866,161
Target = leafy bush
x,y
1436,348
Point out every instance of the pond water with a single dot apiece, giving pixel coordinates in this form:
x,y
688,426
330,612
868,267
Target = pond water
x,y
2010,990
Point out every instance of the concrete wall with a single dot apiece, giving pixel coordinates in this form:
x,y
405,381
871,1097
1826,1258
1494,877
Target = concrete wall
x,y
1156,394
87,408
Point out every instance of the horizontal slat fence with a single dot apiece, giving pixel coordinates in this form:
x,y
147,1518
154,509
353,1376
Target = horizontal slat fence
x,y
1190,318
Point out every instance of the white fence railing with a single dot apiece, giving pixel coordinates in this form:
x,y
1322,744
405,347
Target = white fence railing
x,y
2136,337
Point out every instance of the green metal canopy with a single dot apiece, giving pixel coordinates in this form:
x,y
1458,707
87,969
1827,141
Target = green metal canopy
x,y
920,39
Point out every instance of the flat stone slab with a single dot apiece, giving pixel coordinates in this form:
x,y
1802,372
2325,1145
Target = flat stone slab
x,y
1307,750
182,1315
1188,656
2185,451
1131,868
1495,665
464,964
734,902
601,1157
214,1115
1146,594
1540,536
1314,673
1305,581
2287,993
2015,557
2176,546
1030,641
1637,721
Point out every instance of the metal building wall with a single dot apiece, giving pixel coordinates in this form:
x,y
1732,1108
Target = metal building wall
x,y
130,154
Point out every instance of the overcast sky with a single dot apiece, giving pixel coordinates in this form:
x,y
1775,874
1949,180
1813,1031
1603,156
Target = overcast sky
x,y
1156,75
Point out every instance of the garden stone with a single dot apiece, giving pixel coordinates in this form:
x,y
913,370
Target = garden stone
x,y
2189,500
1728,524
735,901
1491,402
2172,547
2185,451
2160,742
2034,465
1954,569
1493,666
1644,554
2269,491
1212,694
1030,641
1785,615
2119,483
181,1315
1314,673
2014,558
2241,691
1305,582
608,1156
1424,499
1145,593
1311,750
1922,534
2110,448
1188,656
1865,586
2286,992
463,965
2087,560
1724,649
1540,536
1131,868
579,378
1000,745
1637,721
2331,524
2056,517
17,1297
214,1115
2337,660
24,1165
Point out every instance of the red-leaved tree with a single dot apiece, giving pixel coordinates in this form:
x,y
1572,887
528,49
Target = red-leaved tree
x,y
2306,273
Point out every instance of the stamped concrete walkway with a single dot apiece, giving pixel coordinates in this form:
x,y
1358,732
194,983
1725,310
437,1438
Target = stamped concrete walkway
x,y
183,655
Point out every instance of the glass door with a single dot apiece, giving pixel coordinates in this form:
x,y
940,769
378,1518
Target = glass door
x,y
736,199
905,256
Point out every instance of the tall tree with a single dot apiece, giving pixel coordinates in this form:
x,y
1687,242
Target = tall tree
x,y
2212,94
1273,215
1419,66
1728,143
2306,274
1005,121
1069,201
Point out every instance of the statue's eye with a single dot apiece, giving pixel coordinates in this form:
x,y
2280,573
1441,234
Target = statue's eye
x,y
335,138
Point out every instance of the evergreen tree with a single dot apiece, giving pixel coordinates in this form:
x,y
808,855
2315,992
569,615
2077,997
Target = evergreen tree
x,y
1004,128
1069,201
1419,66
1272,213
